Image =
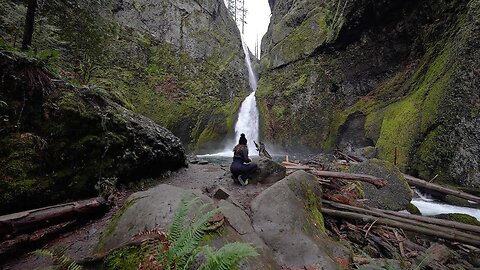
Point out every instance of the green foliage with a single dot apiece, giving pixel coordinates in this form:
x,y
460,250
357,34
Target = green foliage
x,y
127,258
182,247
186,236
227,256
60,260
12,17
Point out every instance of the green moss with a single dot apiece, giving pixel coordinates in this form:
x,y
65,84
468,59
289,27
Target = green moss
x,y
412,209
113,224
463,218
312,205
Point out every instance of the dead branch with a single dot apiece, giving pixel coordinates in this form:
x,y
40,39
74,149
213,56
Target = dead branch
x,y
450,235
377,182
376,213
430,220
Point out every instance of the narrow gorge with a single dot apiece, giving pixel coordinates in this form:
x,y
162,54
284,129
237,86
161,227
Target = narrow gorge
x,y
118,119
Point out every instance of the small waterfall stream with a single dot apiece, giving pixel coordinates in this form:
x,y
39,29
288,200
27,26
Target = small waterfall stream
x,y
247,121
431,207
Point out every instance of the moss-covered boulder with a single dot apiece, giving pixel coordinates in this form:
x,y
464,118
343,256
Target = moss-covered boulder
x,y
287,217
155,209
463,218
397,75
395,195
57,141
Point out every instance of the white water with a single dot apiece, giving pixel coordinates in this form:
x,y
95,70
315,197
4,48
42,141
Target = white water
x,y
430,207
247,121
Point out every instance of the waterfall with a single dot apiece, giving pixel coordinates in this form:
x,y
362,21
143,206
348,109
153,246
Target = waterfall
x,y
247,121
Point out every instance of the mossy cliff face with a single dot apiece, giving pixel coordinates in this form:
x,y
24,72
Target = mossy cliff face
x,y
179,63
57,140
398,75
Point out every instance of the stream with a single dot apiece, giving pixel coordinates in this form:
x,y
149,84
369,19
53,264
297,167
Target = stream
x,y
431,207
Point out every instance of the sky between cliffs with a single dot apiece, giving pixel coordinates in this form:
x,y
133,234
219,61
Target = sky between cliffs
x,y
258,18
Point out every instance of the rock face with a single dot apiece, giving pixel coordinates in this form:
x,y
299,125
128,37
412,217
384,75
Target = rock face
x,y
398,75
268,171
194,51
178,62
57,141
287,217
395,195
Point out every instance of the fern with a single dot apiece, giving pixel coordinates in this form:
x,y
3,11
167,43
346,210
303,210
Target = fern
x,y
227,256
185,237
59,259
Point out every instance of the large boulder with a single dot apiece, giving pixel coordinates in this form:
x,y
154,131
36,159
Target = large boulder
x,y
268,171
156,207
57,140
395,195
287,217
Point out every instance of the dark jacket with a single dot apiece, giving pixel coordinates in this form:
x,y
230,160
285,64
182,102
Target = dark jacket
x,y
240,153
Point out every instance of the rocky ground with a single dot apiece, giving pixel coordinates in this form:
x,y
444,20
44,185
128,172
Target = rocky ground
x,y
81,242
281,220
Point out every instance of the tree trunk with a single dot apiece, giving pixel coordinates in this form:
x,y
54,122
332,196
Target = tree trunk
x,y
48,216
377,182
29,23
451,235
424,184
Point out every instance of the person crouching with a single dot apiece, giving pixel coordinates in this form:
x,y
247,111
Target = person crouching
x,y
242,167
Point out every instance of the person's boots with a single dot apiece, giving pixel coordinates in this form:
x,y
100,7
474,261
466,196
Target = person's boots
x,y
242,182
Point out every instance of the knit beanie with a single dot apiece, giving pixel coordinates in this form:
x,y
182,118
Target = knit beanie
x,y
242,140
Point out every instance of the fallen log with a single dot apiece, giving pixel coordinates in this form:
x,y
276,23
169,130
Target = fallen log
x,y
47,216
424,184
429,220
296,167
378,214
418,229
23,241
377,182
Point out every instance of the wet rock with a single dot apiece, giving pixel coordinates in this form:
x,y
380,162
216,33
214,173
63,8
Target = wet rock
x,y
221,193
413,209
76,137
287,218
156,207
268,171
203,162
395,195
462,218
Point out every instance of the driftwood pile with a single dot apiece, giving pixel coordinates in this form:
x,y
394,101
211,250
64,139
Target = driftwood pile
x,y
406,238
32,227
